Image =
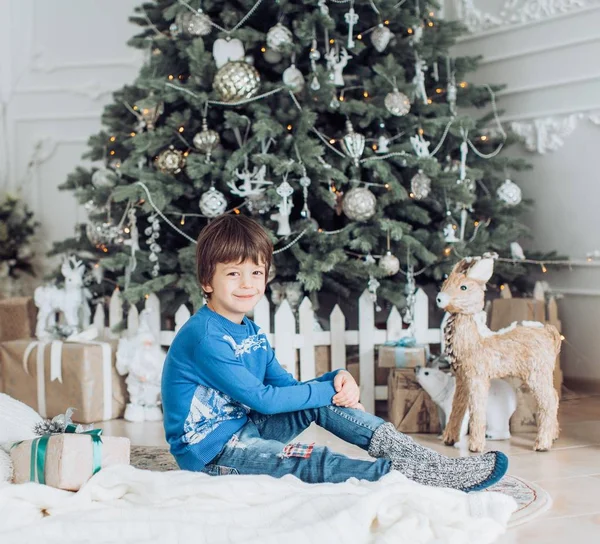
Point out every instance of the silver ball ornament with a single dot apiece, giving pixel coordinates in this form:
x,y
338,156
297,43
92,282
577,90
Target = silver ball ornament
x,y
397,103
420,185
380,37
193,24
510,193
293,78
236,80
359,204
213,203
279,38
104,178
206,140
389,264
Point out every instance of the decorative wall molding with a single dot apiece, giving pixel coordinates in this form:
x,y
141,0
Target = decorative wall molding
x,y
548,85
517,12
548,133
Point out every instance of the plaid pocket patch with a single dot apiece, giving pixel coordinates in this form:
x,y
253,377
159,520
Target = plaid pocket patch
x,y
298,450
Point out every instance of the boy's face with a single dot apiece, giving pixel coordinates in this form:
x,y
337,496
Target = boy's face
x,y
236,288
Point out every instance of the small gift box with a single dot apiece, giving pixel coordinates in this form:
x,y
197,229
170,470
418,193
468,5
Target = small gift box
x,y
67,460
404,353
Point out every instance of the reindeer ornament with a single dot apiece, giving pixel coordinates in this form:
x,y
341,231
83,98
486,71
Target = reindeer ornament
x,y
527,351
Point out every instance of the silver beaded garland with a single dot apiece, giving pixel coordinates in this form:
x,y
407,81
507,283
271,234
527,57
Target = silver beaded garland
x,y
236,80
359,204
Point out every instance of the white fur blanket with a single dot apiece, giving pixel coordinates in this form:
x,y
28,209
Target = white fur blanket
x,y
127,505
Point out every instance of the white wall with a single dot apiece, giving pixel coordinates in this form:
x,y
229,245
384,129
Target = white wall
x,y
60,60
547,53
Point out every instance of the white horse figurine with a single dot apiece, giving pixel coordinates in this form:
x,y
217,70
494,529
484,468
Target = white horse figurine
x,y
69,300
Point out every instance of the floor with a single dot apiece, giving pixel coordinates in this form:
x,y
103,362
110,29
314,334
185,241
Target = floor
x,y
570,472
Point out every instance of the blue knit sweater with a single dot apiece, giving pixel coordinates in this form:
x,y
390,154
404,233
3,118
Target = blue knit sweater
x,y
216,371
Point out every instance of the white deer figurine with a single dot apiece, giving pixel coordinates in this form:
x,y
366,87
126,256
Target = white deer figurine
x,y
69,300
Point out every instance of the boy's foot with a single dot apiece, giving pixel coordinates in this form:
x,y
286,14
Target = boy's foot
x,y
428,467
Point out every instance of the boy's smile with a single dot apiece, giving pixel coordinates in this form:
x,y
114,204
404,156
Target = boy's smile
x,y
236,288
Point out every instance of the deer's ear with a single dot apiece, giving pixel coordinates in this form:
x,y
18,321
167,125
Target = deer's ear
x,y
462,266
482,270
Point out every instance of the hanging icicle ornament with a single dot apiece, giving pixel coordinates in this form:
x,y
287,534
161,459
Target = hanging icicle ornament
x,y
284,190
351,19
293,79
193,23
380,37
359,204
510,193
353,143
170,161
279,38
104,177
235,79
419,80
305,182
134,243
153,233
212,203
410,292
451,93
314,55
207,140
420,185
397,103
372,287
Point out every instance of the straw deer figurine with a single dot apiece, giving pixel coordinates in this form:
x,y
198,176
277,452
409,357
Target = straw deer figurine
x,y
527,351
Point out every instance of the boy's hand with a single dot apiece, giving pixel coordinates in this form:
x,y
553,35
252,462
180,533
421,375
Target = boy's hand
x,y
348,393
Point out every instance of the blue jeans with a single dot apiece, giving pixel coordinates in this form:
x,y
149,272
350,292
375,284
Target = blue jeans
x,y
262,446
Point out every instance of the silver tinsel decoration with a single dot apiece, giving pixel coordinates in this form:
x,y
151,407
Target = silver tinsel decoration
x,y
170,161
359,204
397,103
193,24
213,203
420,185
206,140
510,192
380,37
236,80
279,38
389,264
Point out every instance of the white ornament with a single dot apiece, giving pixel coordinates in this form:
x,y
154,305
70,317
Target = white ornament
x,y
69,300
397,103
293,78
323,7
380,37
351,19
253,182
501,403
419,80
279,38
462,168
417,34
420,146
336,62
450,233
104,178
213,203
359,204
516,251
510,193
389,264
141,358
383,143
420,185
284,190
353,143
225,51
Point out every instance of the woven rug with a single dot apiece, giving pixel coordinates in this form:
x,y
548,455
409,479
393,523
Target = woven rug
x,y
532,499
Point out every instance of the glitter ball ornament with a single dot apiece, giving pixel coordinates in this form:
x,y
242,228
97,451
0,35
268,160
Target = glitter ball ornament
x,y
206,140
258,204
380,37
510,192
193,24
213,203
420,185
353,143
279,38
359,204
236,80
389,264
104,178
293,78
170,161
397,103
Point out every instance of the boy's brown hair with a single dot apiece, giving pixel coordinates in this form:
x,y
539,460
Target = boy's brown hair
x,y
231,238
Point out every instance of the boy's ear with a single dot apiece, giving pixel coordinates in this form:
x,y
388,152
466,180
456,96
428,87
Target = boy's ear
x,y
207,289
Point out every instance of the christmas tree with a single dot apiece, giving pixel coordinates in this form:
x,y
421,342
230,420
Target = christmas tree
x,y
343,127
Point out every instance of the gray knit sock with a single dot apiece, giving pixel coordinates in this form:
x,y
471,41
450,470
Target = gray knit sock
x,y
428,467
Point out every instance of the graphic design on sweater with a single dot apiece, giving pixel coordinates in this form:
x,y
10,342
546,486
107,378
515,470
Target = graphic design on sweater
x,y
252,343
208,409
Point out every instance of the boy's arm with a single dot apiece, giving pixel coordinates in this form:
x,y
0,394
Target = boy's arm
x,y
222,371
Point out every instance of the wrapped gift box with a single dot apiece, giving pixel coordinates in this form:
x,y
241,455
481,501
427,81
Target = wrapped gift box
x,y
402,356
17,318
410,408
51,378
69,459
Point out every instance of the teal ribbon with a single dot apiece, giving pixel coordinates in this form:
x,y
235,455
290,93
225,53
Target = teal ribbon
x,y
404,342
39,448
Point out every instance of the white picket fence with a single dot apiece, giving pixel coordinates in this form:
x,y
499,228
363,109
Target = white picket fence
x,y
292,333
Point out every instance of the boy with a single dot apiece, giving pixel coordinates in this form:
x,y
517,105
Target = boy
x,y
230,408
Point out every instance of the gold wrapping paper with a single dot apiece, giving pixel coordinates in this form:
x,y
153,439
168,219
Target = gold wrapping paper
x,y
81,387
69,459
